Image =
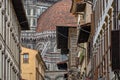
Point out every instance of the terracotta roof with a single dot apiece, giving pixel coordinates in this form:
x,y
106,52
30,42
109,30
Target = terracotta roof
x,y
57,15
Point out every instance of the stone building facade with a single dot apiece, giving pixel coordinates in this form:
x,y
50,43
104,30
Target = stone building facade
x,y
12,15
106,20
101,46
83,10
101,61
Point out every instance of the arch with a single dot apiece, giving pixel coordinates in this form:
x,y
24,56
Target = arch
x,y
39,45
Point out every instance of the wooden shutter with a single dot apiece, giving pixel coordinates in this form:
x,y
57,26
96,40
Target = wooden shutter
x,y
115,50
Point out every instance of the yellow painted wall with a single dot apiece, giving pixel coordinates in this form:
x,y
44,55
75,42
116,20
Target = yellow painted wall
x,y
28,69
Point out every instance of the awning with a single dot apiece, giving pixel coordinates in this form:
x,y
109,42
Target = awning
x,y
62,65
84,33
77,6
62,37
20,13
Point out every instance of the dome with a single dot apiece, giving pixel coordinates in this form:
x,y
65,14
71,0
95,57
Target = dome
x,y
56,15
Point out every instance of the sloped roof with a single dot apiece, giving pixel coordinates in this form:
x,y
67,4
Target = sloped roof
x,y
57,15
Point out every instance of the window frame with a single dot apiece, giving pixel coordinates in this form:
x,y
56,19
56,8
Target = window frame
x,y
25,58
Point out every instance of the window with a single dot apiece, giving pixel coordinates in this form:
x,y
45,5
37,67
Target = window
x,y
28,11
29,21
25,58
38,12
34,12
34,22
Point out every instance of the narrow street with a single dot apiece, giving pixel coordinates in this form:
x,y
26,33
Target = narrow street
x,y
59,40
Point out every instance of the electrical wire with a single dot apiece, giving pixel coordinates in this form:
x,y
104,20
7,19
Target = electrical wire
x,y
83,30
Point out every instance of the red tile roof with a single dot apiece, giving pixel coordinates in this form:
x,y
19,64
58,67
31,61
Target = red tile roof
x,y
57,15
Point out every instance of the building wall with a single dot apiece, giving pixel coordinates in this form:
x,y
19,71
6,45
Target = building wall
x,y
9,42
83,64
40,68
72,67
105,19
28,69
72,46
34,69
103,12
51,59
84,61
88,12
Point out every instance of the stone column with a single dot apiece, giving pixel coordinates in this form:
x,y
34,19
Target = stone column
x,y
1,17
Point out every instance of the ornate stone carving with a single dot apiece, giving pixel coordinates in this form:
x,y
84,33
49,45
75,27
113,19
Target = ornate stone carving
x,y
6,55
11,29
8,59
8,24
11,63
15,40
6,18
3,52
3,12
12,34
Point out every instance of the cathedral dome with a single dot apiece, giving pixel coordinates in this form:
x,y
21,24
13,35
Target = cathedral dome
x,y
57,15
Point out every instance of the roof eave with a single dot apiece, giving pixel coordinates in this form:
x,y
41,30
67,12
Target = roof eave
x,y
20,13
77,6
